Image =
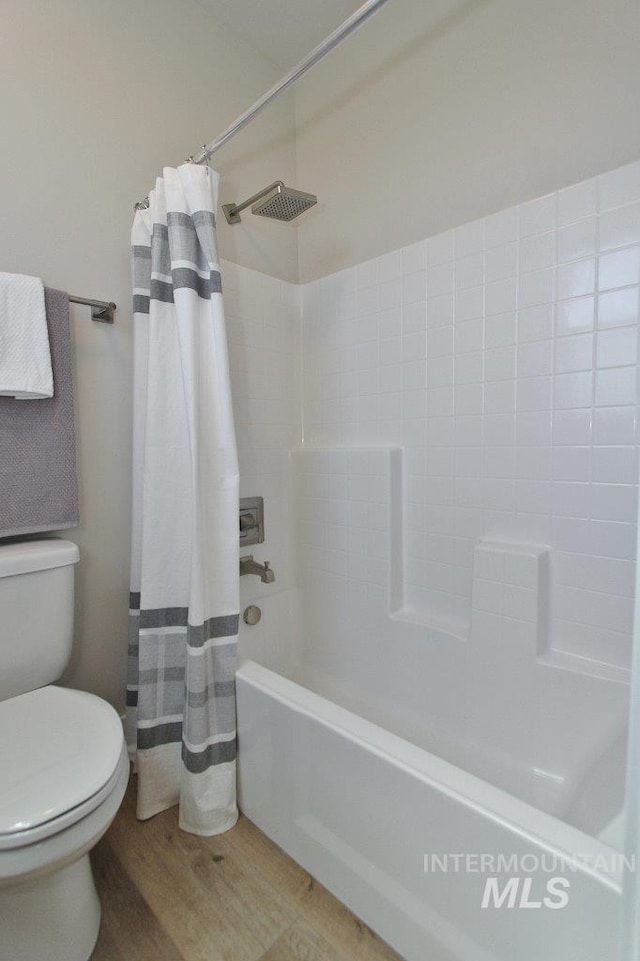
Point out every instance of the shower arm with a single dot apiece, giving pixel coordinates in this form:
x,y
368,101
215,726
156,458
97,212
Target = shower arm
x,y
233,211
350,25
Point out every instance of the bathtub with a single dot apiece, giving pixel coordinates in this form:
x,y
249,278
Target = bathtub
x,y
467,843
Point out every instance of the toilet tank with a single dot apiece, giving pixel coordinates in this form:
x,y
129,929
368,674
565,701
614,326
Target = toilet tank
x,y
36,613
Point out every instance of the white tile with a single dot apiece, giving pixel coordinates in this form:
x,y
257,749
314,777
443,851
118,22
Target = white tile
x,y
577,240
500,296
615,465
572,464
500,331
601,538
440,249
577,202
533,393
390,294
535,359
390,266
469,271
620,227
536,288
537,216
498,462
501,262
535,323
613,502
469,238
440,310
499,428
575,316
618,308
620,268
500,363
616,387
573,390
537,251
412,317
414,257
367,274
469,368
574,353
614,425
439,341
469,304
617,348
440,279
499,396
501,228
619,187
390,351
391,378
469,336
533,497
533,428
572,427
440,371
467,430
576,279
440,402
571,500
368,299
468,462
414,287
468,399
488,563
498,494
488,596
414,346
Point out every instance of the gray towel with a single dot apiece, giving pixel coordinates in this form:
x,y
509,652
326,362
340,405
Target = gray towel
x,y
38,482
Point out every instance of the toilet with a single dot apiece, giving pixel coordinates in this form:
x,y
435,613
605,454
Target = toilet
x,y
63,763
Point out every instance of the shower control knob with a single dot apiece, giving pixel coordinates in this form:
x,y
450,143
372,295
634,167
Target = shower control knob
x,y
247,521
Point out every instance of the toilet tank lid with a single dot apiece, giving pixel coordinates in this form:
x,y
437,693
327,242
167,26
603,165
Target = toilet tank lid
x,y
24,557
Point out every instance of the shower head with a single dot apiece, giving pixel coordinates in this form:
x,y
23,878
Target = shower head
x,y
276,201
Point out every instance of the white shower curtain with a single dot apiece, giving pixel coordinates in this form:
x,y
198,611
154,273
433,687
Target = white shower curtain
x,y
184,572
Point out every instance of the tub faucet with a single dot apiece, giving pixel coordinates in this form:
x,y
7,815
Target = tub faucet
x,y
264,572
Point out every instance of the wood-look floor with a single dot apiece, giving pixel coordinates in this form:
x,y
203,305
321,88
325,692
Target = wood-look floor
x,y
170,896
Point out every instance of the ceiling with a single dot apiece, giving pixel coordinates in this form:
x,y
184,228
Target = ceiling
x,y
283,30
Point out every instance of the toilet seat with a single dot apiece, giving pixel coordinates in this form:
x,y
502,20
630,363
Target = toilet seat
x,y
61,761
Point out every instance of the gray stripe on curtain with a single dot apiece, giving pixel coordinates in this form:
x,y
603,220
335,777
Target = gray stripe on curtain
x,y
159,662
198,761
223,626
168,733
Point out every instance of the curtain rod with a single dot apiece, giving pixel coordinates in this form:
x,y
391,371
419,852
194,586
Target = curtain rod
x,y
351,24
101,310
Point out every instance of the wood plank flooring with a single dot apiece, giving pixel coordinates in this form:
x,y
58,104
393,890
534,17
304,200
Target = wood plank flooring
x,y
170,896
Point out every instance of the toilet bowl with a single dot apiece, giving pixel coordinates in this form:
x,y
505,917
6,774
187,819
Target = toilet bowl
x,y
63,766
64,772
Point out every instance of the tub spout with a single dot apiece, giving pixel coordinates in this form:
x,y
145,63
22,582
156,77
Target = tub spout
x,y
264,572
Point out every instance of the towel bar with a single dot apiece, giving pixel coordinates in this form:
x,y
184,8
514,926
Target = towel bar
x,y
101,310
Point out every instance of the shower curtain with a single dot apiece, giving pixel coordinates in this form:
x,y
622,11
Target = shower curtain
x,y
184,568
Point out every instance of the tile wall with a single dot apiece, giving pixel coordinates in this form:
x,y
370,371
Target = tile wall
x,y
502,357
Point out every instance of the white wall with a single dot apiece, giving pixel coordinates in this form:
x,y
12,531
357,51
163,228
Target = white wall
x,y
95,98
265,355
438,113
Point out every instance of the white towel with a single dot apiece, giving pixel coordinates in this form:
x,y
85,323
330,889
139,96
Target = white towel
x,y
25,358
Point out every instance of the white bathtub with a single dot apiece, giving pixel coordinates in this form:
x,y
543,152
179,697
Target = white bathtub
x,y
365,810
